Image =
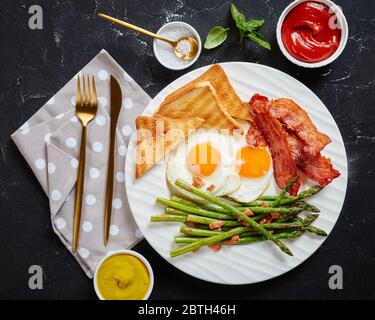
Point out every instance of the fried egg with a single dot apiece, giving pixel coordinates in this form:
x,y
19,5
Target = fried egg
x,y
254,166
205,161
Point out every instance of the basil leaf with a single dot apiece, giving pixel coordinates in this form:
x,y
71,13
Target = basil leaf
x,y
215,37
238,17
253,24
259,39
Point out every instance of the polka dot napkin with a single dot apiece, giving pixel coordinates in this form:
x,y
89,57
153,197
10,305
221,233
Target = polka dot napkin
x,y
50,142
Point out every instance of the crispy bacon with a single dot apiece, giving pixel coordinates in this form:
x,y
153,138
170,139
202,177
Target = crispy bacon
x,y
249,213
275,215
284,166
215,247
254,137
211,188
198,182
233,240
297,120
216,225
317,168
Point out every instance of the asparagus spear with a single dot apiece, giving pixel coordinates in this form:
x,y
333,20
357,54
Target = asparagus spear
x,y
182,239
307,225
198,232
308,207
308,220
243,238
175,212
192,210
302,195
184,201
276,203
316,231
207,241
235,212
249,231
193,204
213,215
167,218
282,210
194,219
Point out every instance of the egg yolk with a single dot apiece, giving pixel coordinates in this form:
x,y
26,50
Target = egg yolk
x,y
252,162
203,159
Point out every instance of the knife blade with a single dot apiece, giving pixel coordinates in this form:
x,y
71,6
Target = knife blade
x,y
116,102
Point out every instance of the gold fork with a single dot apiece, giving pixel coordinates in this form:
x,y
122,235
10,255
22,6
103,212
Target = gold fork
x,y
86,108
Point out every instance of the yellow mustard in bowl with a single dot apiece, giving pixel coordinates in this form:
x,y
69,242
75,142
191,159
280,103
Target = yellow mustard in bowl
x,y
123,277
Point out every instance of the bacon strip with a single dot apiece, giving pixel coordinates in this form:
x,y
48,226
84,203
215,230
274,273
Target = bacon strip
x,y
298,121
284,166
254,137
317,168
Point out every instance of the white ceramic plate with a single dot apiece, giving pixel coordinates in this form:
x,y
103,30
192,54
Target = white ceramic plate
x,y
256,262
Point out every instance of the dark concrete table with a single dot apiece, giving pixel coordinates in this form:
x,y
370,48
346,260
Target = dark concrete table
x,y
35,64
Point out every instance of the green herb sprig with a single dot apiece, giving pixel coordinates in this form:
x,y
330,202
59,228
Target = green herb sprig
x,y
249,29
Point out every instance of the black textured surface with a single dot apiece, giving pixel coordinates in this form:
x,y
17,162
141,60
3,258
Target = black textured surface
x,y
35,64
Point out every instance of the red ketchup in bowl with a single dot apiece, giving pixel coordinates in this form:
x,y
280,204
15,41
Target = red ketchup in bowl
x,y
309,33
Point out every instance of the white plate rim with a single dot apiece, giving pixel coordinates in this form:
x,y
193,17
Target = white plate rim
x,y
129,173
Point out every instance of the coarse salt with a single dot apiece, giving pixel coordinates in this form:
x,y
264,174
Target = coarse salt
x,y
184,47
165,52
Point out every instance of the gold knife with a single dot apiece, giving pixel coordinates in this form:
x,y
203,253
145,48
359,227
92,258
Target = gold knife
x,y
116,102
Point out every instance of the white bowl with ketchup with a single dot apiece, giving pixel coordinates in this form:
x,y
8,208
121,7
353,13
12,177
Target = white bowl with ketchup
x,y
312,34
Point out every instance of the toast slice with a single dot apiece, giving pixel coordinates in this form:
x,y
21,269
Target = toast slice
x,y
156,136
199,100
226,94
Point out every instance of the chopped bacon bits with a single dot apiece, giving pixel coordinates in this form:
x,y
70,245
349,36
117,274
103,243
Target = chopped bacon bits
x,y
263,221
233,240
275,215
215,247
211,188
198,182
216,225
249,213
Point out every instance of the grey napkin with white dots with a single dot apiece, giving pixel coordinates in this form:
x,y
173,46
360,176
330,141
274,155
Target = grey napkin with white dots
x,y
50,142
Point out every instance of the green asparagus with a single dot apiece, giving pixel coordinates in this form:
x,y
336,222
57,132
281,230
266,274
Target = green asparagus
x,y
244,239
276,203
235,212
207,241
192,210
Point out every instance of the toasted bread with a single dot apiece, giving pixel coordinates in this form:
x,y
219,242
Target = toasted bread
x,y
156,136
200,100
226,95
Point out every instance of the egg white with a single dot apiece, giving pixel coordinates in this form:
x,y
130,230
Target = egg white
x,y
225,179
251,188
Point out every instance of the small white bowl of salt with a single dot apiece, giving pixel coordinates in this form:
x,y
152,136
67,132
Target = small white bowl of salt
x,y
164,52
